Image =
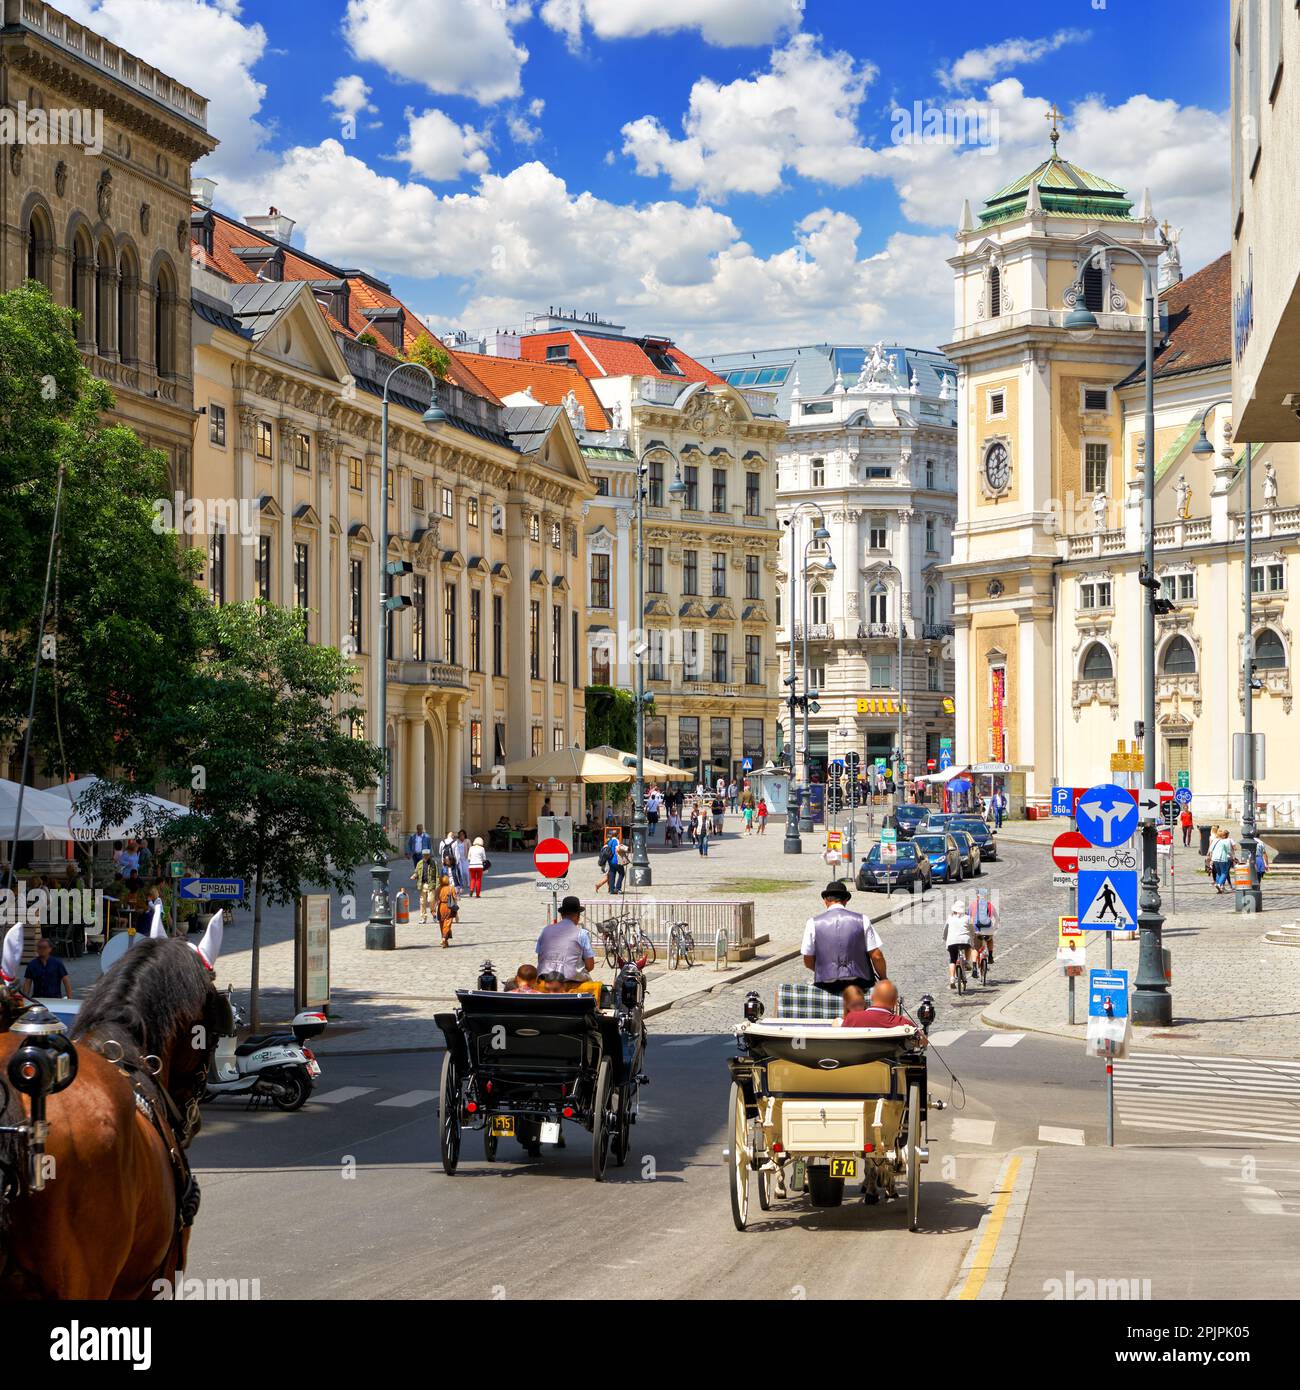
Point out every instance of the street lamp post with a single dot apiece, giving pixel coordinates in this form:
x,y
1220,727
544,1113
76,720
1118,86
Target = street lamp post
x,y
809,704
1246,899
1152,1002
381,935
640,867
793,844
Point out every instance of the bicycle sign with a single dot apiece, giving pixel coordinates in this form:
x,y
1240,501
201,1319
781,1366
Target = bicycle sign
x,y
1122,857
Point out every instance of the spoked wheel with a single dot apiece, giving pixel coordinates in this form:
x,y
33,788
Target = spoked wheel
x,y
645,947
738,1172
674,954
449,1115
620,1143
490,1141
766,1189
600,1120
913,1158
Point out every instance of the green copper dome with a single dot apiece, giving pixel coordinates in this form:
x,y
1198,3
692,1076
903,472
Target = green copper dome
x,y
1065,190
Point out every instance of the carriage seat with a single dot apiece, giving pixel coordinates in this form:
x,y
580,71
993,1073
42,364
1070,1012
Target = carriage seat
x,y
805,1002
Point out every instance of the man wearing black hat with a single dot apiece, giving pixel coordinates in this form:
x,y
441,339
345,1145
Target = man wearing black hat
x,y
840,947
564,947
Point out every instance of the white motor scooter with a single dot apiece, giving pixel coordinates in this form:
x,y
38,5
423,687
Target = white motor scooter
x,y
275,1067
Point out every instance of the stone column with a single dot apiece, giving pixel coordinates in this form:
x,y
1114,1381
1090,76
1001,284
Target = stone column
x,y
415,807
244,474
518,595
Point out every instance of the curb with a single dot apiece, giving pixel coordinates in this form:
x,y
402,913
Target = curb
x,y
984,1271
997,1015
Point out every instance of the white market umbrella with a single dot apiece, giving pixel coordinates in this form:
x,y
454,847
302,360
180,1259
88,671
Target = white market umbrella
x,y
44,816
84,827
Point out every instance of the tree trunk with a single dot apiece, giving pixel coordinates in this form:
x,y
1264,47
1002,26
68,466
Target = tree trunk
x,y
254,1009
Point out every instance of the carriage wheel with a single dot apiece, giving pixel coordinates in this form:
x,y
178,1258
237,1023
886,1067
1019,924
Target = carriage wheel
x,y
600,1126
621,1139
738,1171
449,1115
490,1142
766,1182
913,1158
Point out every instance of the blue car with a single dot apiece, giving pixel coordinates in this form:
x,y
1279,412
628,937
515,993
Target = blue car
x,y
942,852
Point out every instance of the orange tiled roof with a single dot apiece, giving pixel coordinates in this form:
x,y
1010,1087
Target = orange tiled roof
x,y
595,355
1199,311
549,383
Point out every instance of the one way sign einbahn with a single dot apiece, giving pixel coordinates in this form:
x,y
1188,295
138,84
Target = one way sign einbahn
x,y
206,889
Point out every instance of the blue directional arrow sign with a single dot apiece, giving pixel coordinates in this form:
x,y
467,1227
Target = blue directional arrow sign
x,y
1061,798
1106,816
945,758
1183,796
204,889
1108,899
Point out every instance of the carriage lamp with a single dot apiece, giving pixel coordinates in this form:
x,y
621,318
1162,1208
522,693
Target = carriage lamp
x,y
567,1112
487,980
753,1007
925,1011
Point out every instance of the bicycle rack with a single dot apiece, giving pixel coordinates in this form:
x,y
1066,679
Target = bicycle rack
x,y
720,947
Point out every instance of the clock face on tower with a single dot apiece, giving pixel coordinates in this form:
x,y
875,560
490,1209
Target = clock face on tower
x,y
997,467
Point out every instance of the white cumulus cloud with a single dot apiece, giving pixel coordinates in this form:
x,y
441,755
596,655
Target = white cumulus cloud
x,y
728,23
984,64
349,97
452,47
437,148
741,136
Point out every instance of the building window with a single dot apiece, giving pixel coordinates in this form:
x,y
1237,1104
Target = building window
x,y
475,746
1095,593
878,536
1096,467
265,440
355,474
690,572
600,581
498,743
817,678
691,477
498,635
656,567
1268,577
557,643
217,567
417,494
931,536
448,503
719,489
881,668
819,472
752,577
691,654
778,607
302,451
392,485
600,663
471,511
751,745
535,639
931,604
721,673
933,675
719,574
1178,588
656,488
602,486
819,604
929,474
574,652
1179,658
656,654
557,539
557,740
688,739
753,659
536,742
356,596
878,604
217,425
1270,654
753,493
656,737
262,568
1097,665
476,629
301,576
449,592
420,618
1096,398
997,404
720,743
1094,289
534,527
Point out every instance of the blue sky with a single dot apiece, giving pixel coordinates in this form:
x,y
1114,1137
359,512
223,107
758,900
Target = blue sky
x,y
721,170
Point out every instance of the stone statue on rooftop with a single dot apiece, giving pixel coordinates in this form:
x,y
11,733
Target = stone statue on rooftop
x,y
1183,496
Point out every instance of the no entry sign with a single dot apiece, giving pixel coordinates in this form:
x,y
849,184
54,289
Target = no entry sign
x,y
551,858
1065,851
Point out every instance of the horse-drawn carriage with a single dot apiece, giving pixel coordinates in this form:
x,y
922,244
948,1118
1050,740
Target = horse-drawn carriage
x,y
519,1065
815,1105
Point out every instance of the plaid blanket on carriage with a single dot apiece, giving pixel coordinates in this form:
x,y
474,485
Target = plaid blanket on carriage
x,y
807,1001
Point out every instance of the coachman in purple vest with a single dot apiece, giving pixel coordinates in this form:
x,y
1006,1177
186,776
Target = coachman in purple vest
x,y
840,947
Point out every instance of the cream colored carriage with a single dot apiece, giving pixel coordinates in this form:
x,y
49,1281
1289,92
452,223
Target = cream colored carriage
x,y
816,1105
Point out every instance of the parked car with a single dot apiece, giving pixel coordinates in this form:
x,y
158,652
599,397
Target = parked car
x,y
940,820
984,838
907,870
942,852
969,851
908,819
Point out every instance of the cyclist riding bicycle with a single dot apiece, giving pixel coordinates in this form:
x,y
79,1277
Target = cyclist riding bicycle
x,y
959,938
984,920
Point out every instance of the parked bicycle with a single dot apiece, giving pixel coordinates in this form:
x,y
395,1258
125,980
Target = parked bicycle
x,y
681,946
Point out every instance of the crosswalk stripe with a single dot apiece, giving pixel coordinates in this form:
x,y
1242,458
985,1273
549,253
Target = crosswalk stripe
x,y
948,1037
343,1093
1054,1134
1234,1096
409,1098
1003,1040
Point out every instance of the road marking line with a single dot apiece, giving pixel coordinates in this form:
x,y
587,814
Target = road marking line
x,y
691,1042
1003,1040
968,1131
984,1246
343,1093
409,1098
946,1039
1054,1134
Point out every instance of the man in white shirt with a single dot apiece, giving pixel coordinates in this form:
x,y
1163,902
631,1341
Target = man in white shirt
x,y
840,947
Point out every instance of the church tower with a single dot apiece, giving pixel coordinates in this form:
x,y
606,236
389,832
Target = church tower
x,y
1039,436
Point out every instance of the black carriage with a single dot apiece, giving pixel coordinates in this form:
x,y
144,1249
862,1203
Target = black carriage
x,y
519,1066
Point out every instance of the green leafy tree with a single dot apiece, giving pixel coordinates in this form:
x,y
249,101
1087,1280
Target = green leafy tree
x,y
124,620
611,719
272,762
431,353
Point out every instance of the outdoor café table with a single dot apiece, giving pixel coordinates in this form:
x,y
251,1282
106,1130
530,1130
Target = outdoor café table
x,y
516,838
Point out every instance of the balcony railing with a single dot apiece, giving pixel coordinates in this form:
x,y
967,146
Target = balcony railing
x,y
817,632
439,673
879,630
934,630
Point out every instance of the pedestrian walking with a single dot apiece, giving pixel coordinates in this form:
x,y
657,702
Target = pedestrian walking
x,y
748,815
762,815
425,878
418,842
719,809
702,837
1221,857
1185,824
461,850
448,908
733,794
478,861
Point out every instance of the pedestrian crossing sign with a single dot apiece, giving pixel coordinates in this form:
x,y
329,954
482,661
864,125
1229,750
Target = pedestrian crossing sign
x,y
1108,899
